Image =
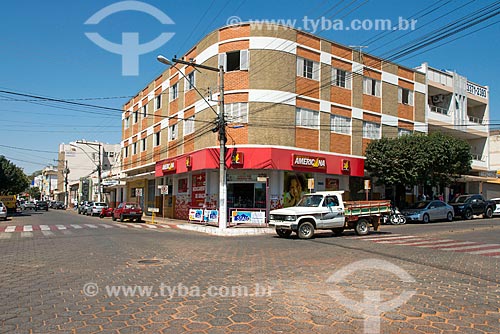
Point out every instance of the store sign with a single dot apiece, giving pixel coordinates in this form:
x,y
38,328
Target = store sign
x,y
476,90
168,166
346,165
308,162
188,161
198,190
237,158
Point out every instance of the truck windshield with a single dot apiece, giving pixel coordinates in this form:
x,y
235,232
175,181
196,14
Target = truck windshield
x,y
310,200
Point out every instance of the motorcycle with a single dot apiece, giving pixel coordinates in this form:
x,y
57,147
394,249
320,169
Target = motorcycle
x,y
395,217
106,212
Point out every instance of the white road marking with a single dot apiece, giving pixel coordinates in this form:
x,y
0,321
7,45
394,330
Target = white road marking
x,y
395,241
75,226
463,247
90,225
106,226
47,233
486,251
457,243
10,229
165,226
26,234
28,228
61,227
151,226
371,236
66,232
44,228
5,235
390,238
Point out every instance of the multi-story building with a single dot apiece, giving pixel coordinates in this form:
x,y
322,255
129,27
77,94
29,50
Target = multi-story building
x,y
78,171
49,184
460,108
298,107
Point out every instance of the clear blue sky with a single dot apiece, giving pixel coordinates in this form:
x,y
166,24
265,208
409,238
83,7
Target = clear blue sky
x,y
44,51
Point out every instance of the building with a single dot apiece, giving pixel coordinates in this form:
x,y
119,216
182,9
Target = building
x,y
300,111
460,108
78,171
49,183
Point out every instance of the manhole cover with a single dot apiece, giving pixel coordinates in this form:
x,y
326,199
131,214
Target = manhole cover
x,y
150,261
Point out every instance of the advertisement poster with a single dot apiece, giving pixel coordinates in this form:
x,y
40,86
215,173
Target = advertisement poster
x,y
331,184
295,187
196,214
198,190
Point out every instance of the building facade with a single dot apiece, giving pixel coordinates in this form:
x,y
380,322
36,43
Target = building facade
x,y
300,111
78,175
460,108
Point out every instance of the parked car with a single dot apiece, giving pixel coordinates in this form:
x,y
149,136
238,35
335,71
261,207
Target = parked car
x,y
95,208
42,205
3,211
127,210
59,205
497,209
30,205
427,211
468,205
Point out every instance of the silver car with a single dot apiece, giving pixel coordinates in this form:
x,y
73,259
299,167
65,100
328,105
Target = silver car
x,y
3,211
95,208
427,211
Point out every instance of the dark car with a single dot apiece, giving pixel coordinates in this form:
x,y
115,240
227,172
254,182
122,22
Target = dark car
x,y
42,205
127,210
468,205
59,205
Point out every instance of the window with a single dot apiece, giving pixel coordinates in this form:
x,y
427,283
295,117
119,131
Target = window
x,y
172,132
371,86
157,138
307,118
405,96
174,91
127,122
236,112
189,125
235,60
307,68
158,102
403,132
143,144
145,111
371,130
134,148
341,78
126,151
341,124
190,81
135,116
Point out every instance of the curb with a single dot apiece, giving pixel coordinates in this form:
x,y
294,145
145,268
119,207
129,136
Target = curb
x,y
228,232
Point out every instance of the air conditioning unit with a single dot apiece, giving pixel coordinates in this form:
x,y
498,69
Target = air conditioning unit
x,y
438,98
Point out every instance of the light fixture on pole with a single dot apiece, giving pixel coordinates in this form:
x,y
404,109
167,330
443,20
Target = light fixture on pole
x,y
222,133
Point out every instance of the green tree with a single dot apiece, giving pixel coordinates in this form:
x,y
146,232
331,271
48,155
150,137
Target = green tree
x,y
12,178
34,192
418,159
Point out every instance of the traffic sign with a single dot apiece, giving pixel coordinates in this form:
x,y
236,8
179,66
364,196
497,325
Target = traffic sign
x,y
153,209
163,190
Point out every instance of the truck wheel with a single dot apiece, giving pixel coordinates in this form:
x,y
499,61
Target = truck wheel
x,y
283,233
449,217
338,231
305,231
362,227
488,213
468,214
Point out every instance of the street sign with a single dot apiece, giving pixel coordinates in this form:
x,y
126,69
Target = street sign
x,y
153,209
138,192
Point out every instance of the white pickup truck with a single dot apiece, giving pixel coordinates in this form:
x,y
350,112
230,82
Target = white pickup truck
x,y
326,210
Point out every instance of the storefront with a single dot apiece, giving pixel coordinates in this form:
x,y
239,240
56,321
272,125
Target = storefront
x,y
258,178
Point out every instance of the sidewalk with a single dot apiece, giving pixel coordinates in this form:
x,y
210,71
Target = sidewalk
x,y
240,230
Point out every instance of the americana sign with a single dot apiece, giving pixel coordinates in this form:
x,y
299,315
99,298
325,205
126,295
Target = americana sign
x,y
305,161
168,166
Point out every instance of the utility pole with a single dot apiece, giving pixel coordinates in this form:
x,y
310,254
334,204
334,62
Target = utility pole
x,y
221,125
66,172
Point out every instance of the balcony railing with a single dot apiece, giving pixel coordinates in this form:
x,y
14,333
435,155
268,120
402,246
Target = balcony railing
x,y
478,157
476,120
440,110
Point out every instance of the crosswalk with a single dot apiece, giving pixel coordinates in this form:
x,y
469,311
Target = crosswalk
x,y
29,231
448,245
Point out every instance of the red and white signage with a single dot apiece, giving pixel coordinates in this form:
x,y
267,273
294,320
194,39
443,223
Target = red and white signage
x,y
304,161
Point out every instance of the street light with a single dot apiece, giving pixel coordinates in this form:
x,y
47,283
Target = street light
x,y
222,133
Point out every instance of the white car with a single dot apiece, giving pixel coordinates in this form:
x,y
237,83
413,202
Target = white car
x,y
3,211
28,205
95,208
497,209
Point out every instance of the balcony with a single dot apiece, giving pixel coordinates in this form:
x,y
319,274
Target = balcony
x,y
440,110
479,162
475,120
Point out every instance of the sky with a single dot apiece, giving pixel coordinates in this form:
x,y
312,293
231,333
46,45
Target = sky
x,y
45,52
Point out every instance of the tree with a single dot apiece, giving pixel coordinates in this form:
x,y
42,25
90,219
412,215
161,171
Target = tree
x,y
34,192
428,160
12,178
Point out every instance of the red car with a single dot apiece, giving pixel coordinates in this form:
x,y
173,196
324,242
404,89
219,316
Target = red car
x,y
127,210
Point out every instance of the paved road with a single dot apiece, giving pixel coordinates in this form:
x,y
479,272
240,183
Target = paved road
x,y
82,280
